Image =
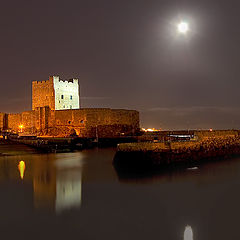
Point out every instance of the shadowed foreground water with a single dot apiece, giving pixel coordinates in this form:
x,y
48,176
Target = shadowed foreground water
x,y
80,196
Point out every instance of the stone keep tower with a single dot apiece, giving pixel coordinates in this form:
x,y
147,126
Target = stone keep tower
x,y
55,93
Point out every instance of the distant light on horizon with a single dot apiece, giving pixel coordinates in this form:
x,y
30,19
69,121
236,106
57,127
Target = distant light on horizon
x,y
183,27
151,130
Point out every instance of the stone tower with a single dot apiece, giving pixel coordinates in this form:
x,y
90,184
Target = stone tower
x,y
56,94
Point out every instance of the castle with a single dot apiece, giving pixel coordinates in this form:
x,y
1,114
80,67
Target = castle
x,y
56,112
55,93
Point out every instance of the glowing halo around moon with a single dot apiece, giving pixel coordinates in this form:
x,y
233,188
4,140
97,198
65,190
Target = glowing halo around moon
x,y
183,27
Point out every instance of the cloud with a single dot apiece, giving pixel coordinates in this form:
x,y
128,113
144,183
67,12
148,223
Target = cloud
x,y
194,109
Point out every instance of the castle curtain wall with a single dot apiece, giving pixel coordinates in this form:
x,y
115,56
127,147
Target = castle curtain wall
x,y
2,121
14,121
29,121
100,122
89,122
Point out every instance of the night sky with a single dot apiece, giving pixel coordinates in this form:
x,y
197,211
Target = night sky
x,y
127,54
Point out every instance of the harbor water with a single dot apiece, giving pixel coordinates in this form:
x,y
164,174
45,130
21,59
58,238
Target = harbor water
x,y
81,195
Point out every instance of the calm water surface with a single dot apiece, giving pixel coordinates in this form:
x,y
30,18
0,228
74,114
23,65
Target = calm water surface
x,y
81,196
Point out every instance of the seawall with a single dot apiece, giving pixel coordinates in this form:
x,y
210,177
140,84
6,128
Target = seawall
x,y
205,146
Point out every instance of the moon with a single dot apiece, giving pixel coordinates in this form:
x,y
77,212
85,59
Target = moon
x,y
183,27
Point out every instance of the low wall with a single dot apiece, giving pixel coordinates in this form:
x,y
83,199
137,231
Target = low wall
x,y
143,147
201,138
208,147
216,133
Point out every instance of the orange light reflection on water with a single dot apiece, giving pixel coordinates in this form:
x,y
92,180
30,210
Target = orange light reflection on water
x,y
21,168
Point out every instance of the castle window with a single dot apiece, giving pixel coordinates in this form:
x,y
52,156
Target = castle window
x,y
69,122
70,106
71,97
81,121
63,106
62,97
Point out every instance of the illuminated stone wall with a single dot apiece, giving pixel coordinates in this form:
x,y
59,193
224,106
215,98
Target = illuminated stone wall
x,y
91,122
28,120
2,117
55,93
14,121
66,94
204,138
43,94
216,133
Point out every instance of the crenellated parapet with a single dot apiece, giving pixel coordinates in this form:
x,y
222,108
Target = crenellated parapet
x,y
56,93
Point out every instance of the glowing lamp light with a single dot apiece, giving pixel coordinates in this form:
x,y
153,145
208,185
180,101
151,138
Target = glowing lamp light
x,y
183,27
188,233
210,129
21,127
21,168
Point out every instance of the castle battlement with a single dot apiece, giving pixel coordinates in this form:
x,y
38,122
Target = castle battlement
x,y
73,81
39,82
56,93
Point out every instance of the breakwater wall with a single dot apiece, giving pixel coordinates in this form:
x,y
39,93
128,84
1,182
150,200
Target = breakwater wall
x,y
205,146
